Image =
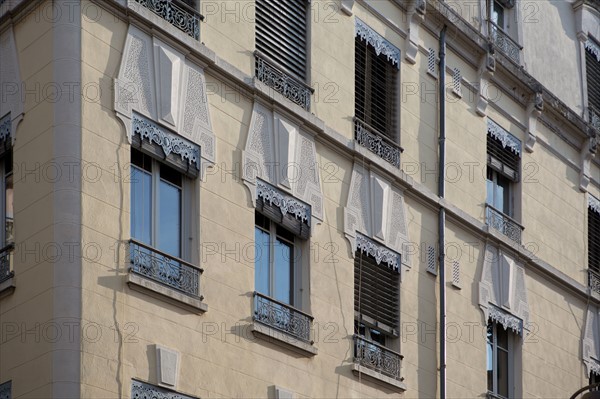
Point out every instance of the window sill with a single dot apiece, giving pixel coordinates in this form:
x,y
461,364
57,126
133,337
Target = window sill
x,y
285,340
378,378
7,287
162,292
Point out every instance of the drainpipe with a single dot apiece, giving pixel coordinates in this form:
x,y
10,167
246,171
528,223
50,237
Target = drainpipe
x,y
442,215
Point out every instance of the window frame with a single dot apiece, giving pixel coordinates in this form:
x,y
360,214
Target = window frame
x,y
368,83
296,280
510,359
5,176
186,211
508,201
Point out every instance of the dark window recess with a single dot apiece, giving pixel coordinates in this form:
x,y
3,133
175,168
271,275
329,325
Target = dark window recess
x,y
281,33
376,292
593,241
288,221
502,159
375,83
592,69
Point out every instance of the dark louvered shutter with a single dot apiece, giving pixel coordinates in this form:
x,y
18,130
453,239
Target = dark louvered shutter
x,y
592,69
502,159
288,221
281,33
593,240
375,82
376,291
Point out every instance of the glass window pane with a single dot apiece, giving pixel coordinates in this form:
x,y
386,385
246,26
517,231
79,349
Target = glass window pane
x,y
141,205
502,373
169,219
499,198
490,192
261,261
490,357
283,257
8,211
504,183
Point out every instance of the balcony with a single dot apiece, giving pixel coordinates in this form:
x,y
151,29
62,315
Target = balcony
x,y
161,273
503,42
177,13
279,79
282,317
503,223
6,270
594,117
594,280
374,141
385,363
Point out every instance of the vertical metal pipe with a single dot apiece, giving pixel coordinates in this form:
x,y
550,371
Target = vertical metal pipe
x,y
442,214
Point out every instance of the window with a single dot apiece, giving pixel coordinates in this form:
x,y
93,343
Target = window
x,y
376,312
594,246
501,29
502,172
497,14
156,204
6,170
592,70
499,360
275,261
281,33
280,275
375,89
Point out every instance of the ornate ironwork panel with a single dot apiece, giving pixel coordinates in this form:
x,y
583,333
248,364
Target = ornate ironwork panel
x,y
377,357
169,142
283,83
503,224
5,270
280,316
378,251
165,269
503,42
6,390
594,281
594,117
5,127
177,14
286,203
141,390
376,142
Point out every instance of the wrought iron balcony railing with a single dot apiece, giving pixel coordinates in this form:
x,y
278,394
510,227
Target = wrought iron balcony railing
x,y
177,13
594,280
377,357
282,81
6,262
503,42
377,143
283,317
594,117
503,223
164,268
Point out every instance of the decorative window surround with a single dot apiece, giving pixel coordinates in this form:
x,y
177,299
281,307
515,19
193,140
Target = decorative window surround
x,y
507,139
594,203
377,251
416,16
169,142
6,390
158,83
280,154
590,342
286,203
594,47
502,290
375,210
506,319
381,45
142,390
11,106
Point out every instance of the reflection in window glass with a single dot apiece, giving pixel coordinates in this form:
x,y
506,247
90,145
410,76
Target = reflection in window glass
x,y
169,221
8,210
261,261
141,205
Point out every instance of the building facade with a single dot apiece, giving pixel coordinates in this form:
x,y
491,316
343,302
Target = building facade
x,y
293,199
